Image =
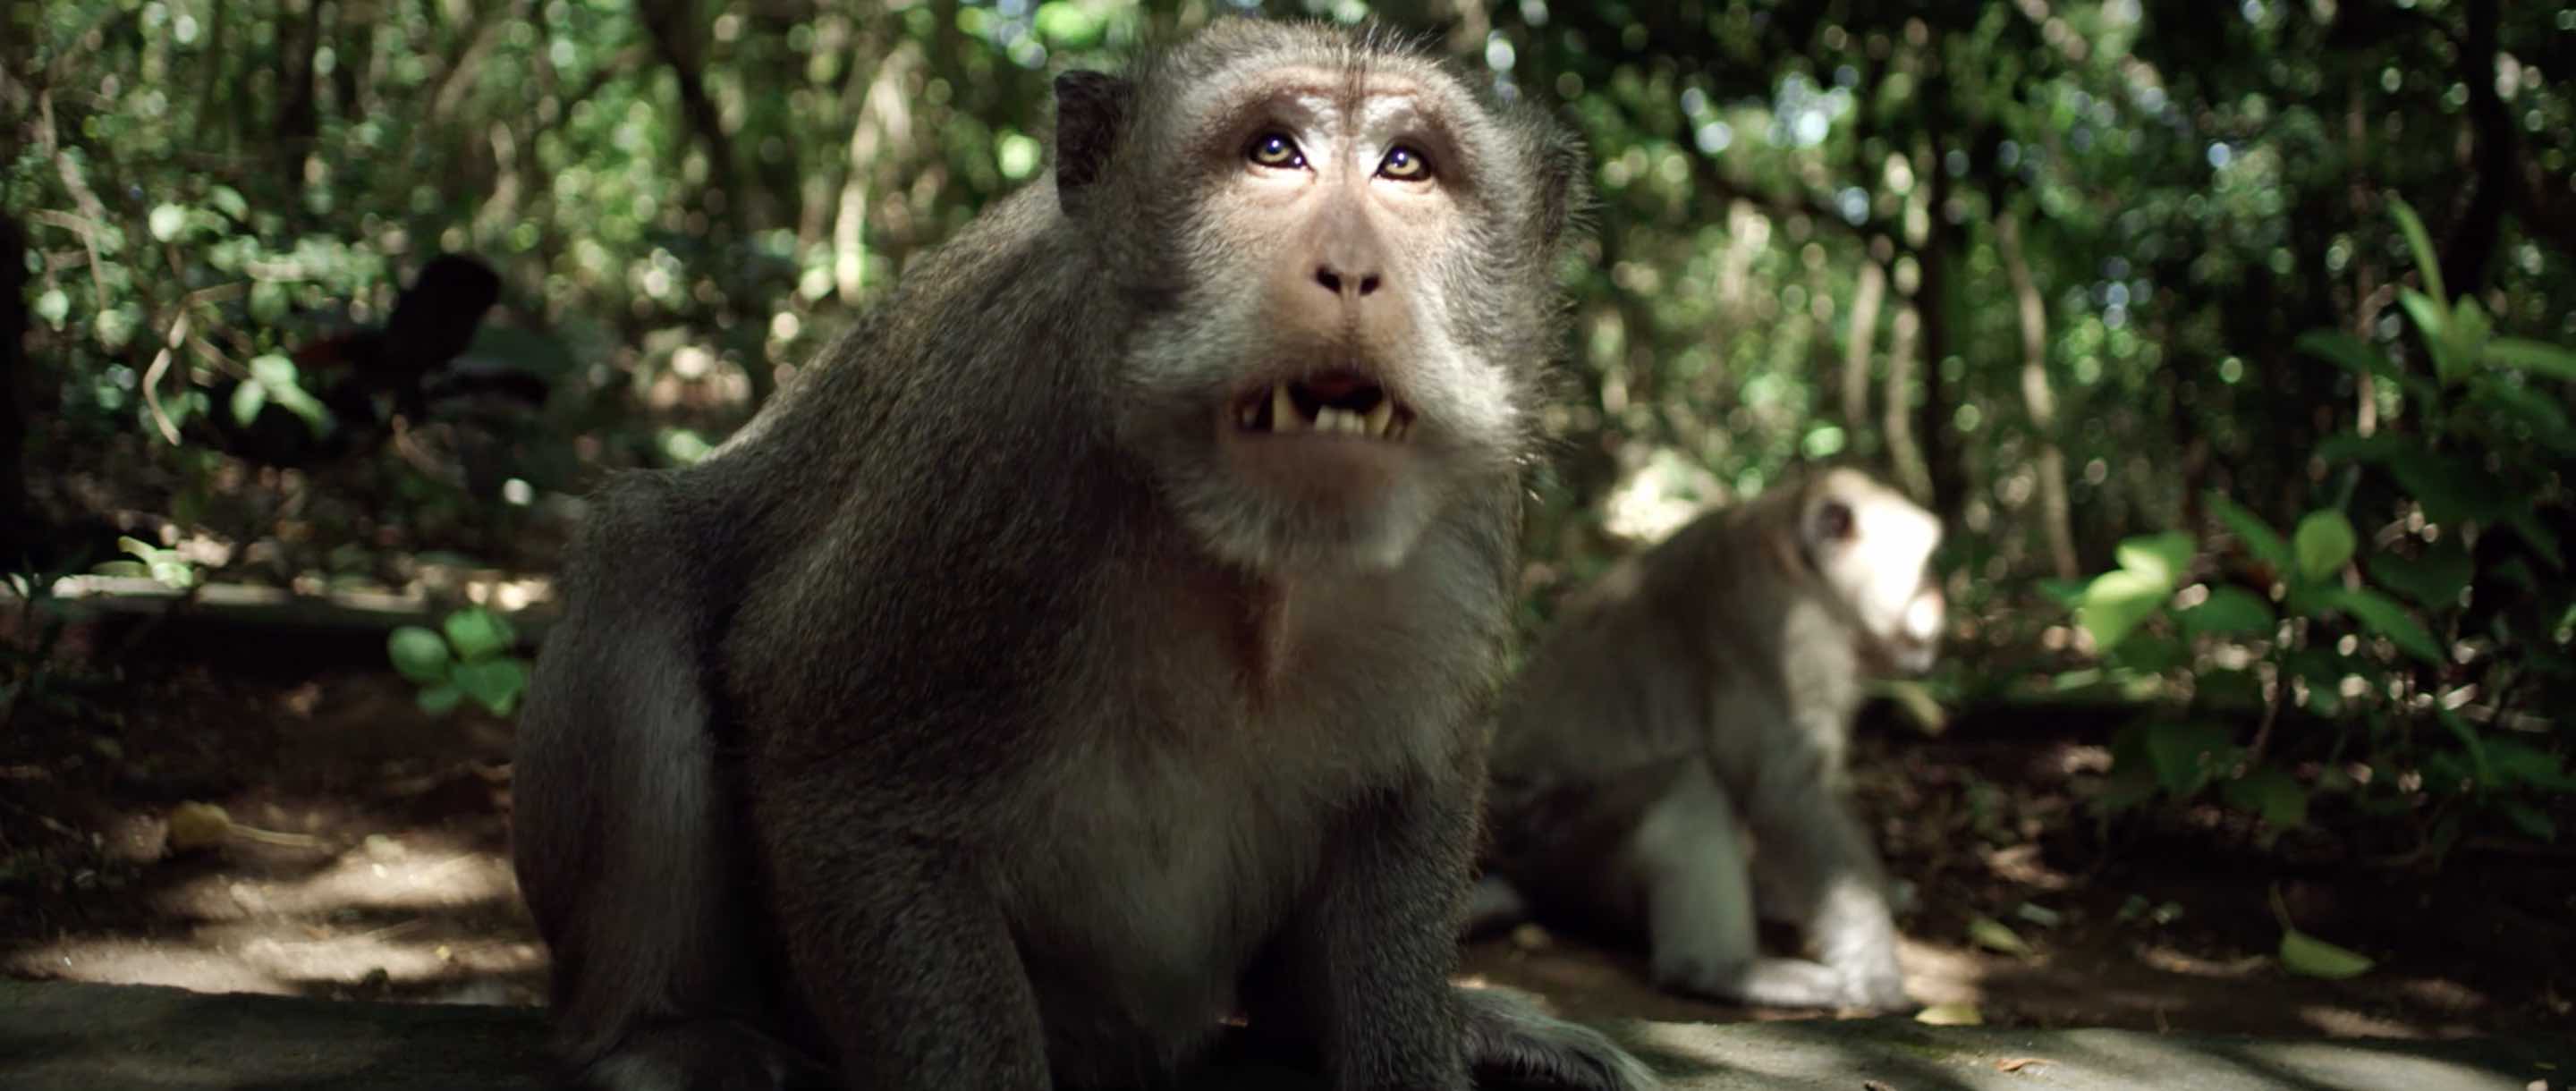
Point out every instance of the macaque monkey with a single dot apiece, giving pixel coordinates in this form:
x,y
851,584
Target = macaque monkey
x,y
1702,691
1085,651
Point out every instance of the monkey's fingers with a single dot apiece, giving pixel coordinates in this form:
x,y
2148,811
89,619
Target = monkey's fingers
x,y
1512,1043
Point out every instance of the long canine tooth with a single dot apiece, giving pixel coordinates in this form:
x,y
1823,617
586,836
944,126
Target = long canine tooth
x,y
1283,410
1381,417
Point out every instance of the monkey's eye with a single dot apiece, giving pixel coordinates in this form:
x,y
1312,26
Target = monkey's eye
x,y
1275,149
1404,165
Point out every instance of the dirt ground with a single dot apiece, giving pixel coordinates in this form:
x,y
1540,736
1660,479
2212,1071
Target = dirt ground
x,y
370,860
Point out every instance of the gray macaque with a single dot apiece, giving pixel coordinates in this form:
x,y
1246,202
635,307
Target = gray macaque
x,y
1671,760
1083,653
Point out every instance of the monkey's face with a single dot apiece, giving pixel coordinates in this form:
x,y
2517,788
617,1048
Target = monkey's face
x,y
1874,549
1352,257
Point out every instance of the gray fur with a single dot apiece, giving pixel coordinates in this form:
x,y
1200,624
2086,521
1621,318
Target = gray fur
x,y
1671,761
961,724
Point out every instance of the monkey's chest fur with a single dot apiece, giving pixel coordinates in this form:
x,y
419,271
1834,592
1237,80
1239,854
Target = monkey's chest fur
x,y
1159,758
1220,745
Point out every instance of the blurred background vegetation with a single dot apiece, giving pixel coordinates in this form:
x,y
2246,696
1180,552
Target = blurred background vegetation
x,y
2231,338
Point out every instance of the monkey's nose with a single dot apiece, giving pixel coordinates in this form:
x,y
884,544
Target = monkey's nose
x,y
1342,283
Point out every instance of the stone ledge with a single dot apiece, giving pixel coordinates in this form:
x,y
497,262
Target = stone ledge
x,y
60,1036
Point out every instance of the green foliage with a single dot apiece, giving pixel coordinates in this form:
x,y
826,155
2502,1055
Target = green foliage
x,y
1966,244
468,656
2417,586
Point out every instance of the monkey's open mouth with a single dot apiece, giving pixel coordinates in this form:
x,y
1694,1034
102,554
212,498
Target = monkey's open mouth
x,y
1343,402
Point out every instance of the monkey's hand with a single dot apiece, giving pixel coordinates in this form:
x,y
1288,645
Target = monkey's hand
x,y
1855,936
1510,1040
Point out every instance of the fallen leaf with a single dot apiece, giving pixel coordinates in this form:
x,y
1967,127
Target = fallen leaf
x,y
2016,1064
195,825
1988,932
1951,1015
2306,954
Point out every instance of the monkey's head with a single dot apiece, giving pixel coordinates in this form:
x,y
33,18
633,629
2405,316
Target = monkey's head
x,y
1343,263
1873,549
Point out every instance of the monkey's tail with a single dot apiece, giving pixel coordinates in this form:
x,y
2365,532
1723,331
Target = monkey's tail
x,y
1511,1043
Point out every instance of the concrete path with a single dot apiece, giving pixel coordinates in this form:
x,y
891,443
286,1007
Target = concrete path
x,y
78,1037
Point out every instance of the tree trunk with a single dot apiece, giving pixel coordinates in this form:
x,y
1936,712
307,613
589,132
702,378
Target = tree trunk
x,y
677,33
2038,397
299,118
2473,241
1904,357
884,123
17,517
1857,344
1944,483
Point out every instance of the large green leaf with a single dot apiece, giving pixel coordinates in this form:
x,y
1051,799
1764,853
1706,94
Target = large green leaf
x,y
2537,357
2360,358
478,633
2271,793
2185,754
2538,535
2116,602
418,654
493,683
2230,611
2259,537
2481,770
441,699
248,399
2347,352
2323,542
2518,762
2427,264
2435,322
2546,418
2381,614
2162,558
2465,346
2453,490
2434,580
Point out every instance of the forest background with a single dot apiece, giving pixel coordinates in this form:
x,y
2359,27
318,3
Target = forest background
x,y
2233,341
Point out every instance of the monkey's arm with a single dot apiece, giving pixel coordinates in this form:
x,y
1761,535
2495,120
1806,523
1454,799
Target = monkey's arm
x,y
897,946
1815,867
1365,963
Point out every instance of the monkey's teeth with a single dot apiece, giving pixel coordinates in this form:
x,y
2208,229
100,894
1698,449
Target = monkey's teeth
x,y
1280,415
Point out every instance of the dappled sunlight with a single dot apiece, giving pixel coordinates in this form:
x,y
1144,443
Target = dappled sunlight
x,y
381,873
421,915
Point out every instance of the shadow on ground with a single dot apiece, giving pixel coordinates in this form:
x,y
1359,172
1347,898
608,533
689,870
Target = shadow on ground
x,y
64,1036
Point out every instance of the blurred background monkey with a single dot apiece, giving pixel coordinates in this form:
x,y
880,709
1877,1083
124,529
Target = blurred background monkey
x,y
1671,760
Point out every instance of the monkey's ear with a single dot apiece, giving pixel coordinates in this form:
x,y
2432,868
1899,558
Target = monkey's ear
x,y
1834,522
1090,111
